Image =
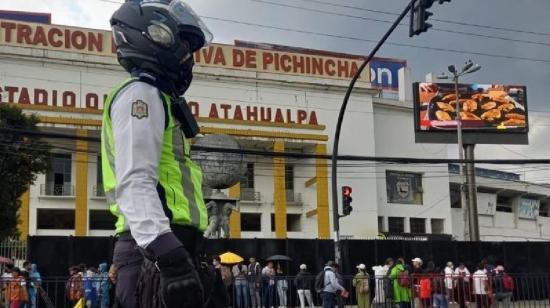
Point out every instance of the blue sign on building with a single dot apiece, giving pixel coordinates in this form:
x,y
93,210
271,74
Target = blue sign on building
x,y
384,73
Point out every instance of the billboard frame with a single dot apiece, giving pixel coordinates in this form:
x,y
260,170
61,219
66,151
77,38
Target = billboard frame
x,y
468,136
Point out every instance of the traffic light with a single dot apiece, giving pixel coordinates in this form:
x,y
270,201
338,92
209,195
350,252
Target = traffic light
x,y
346,200
420,14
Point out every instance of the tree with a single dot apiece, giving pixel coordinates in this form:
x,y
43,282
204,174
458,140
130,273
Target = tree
x,y
23,155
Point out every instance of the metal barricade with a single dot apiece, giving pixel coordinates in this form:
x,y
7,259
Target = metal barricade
x,y
424,291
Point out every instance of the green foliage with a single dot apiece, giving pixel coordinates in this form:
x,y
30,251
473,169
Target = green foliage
x,y
22,157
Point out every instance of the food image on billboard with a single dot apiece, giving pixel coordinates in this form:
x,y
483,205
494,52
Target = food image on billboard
x,y
482,107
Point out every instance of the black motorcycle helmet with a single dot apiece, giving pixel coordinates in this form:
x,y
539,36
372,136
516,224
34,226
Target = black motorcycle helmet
x,y
159,36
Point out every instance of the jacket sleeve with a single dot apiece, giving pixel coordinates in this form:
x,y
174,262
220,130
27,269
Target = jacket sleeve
x,y
393,272
334,282
138,120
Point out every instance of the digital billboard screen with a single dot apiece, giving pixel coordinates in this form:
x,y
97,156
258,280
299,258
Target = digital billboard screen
x,y
484,108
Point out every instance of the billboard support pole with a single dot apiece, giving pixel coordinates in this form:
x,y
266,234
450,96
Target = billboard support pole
x,y
336,140
461,167
472,193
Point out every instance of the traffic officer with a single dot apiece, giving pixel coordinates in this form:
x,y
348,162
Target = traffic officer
x,y
151,184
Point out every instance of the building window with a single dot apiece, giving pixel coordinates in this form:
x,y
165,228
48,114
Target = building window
x,y
454,191
99,177
58,177
544,209
293,222
289,177
381,224
418,225
504,204
247,179
99,191
396,224
55,219
404,187
438,226
251,222
102,220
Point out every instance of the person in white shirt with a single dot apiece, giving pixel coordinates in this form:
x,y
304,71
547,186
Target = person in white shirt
x,y
481,287
383,284
449,281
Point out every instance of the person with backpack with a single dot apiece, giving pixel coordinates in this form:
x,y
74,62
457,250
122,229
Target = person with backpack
x,y
504,287
362,289
341,296
254,273
401,281
327,285
302,282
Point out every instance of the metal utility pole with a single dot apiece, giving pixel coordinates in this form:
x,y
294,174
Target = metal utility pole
x,y
468,191
463,185
472,193
421,5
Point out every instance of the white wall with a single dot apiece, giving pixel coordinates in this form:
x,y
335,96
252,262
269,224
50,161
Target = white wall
x,y
394,136
504,227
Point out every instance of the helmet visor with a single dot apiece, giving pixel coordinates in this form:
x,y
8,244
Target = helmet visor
x,y
184,15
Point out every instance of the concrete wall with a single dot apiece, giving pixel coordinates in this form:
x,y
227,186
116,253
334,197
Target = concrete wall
x,y
394,137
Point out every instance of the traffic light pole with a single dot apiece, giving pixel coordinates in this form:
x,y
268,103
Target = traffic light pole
x,y
336,140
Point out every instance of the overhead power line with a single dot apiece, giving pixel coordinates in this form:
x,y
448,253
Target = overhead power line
x,y
452,22
351,158
374,41
402,24
456,51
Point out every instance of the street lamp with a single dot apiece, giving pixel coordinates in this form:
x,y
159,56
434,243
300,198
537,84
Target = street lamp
x,y
469,180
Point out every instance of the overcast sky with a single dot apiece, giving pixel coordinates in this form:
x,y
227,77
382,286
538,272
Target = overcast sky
x,y
527,36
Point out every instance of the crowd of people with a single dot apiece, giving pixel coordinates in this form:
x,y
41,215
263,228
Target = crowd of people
x,y
254,286
251,285
396,283
86,286
91,287
426,286
20,286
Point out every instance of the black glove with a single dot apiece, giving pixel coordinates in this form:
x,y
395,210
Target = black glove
x,y
180,284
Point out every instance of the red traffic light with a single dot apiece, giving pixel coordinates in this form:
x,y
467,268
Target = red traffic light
x,y
346,190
